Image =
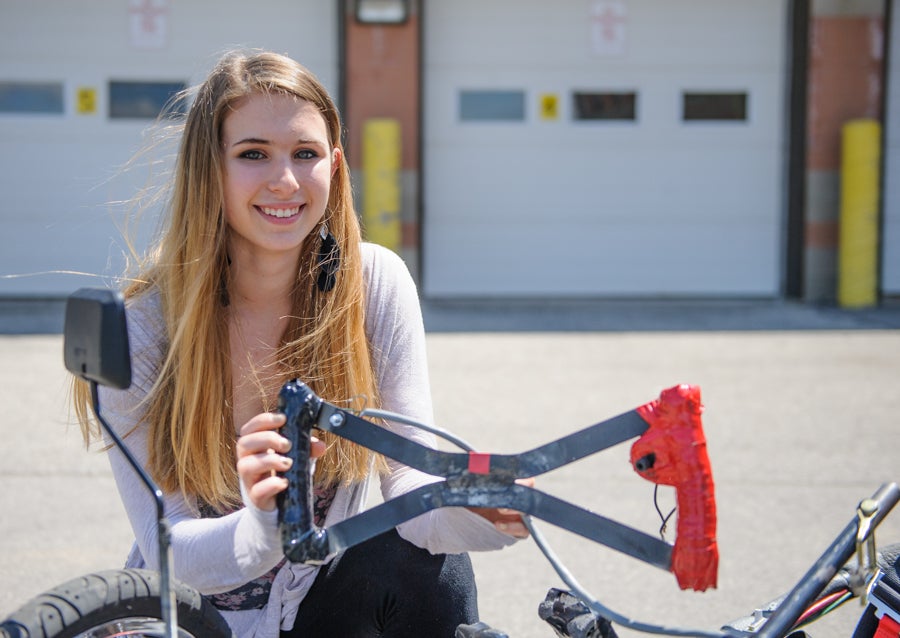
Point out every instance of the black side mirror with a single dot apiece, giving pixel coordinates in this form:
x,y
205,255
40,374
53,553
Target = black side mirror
x,y
96,337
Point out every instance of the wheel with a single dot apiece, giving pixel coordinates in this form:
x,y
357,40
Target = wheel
x,y
123,602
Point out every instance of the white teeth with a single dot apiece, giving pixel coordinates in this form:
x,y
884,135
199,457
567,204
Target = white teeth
x,y
280,212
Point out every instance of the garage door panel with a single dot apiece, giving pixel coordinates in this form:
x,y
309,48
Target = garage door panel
x,y
495,192
53,258
62,214
688,30
507,27
51,181
559,33
607,259
658,108
593,184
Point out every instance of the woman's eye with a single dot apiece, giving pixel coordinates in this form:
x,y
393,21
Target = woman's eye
x,y
306,154
252,155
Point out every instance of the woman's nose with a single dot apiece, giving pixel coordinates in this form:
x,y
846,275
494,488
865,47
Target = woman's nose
x,y
284,179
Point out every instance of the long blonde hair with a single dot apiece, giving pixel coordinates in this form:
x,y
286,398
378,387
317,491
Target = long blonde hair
x,y
188,411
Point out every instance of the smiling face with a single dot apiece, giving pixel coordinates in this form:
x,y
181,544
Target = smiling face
x,y
278,163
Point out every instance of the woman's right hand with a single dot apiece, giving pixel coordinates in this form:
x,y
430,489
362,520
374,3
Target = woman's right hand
x,y
260,456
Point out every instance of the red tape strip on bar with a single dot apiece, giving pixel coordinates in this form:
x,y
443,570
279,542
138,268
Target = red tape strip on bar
x,y
887,628
676,447
479,463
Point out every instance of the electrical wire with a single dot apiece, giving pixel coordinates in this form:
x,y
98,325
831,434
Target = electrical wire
x,y
662,517
823,606
399,418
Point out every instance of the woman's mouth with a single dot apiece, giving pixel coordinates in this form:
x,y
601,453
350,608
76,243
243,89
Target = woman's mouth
x,y
280,213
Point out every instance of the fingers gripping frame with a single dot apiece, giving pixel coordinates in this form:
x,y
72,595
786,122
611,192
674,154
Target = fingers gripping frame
x,y
488,480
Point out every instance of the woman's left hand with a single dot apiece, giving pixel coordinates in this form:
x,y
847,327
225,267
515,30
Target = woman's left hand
x,y
506,520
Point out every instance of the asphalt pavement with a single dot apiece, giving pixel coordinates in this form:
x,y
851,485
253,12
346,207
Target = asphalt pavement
x,y
801,406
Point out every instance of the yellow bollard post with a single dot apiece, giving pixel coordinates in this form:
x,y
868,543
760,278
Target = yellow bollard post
x,y
858,239
381,182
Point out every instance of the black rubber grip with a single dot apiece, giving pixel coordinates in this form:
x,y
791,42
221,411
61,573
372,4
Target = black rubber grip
x,y
301,540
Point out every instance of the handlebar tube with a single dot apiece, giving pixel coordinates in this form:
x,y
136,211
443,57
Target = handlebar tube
x,y
823,570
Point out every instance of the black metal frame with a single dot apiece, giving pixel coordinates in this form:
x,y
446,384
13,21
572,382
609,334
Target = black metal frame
x,y
471,480
489,480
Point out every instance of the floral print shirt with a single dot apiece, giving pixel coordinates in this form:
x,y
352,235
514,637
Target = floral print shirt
x,y
255,594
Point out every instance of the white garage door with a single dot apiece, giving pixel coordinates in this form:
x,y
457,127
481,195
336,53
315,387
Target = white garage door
x,y
890,273
61,139
660,171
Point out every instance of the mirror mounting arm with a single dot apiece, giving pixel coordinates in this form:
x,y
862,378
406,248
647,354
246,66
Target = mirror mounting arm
x,y
164,535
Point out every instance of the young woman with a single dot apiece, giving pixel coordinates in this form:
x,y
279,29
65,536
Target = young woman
x,y
260,276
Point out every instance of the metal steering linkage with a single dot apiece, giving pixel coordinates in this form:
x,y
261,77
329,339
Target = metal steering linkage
x,y
671,451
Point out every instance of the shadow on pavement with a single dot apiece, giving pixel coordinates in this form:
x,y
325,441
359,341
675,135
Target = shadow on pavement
x,y
45,316
652,315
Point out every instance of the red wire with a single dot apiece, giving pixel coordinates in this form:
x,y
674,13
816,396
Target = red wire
x,y
819,605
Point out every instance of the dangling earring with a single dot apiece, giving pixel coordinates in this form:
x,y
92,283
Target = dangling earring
x,y
224,296
329,259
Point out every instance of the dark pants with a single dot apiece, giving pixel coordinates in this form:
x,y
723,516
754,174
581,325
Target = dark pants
x,y
387,587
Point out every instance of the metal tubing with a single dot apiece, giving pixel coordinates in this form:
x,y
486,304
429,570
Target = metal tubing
x,y
540,460
167,602
824,569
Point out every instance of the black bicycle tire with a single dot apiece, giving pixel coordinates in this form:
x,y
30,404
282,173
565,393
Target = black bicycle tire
x,y
102,597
